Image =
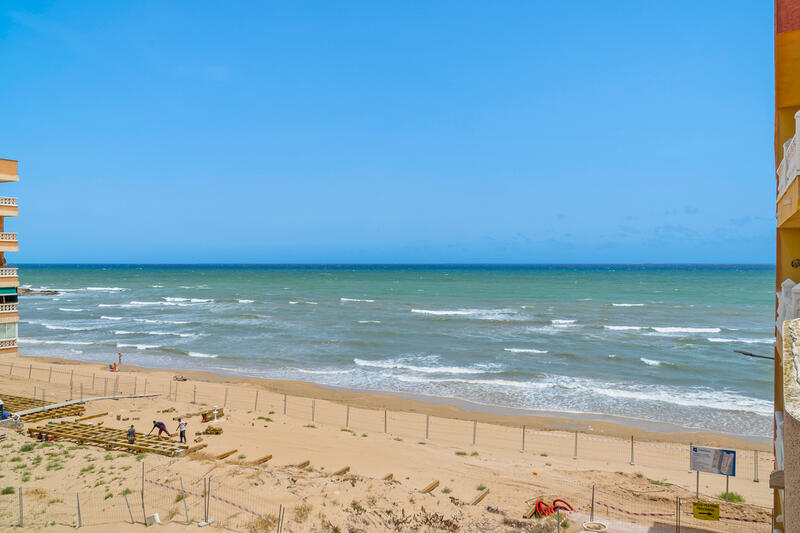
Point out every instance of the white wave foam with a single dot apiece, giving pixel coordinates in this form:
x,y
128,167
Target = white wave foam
x,y
158,333
157,286
106,289
201,300
612,356
524,350
56,327
686,330
355,300
624,328
40,341
765,340
246,301
175,299
369,321
137,302
651,362
304,371
393,364
203,355
111,317
477,314
70,310
295,302
152,321
138,346
628,305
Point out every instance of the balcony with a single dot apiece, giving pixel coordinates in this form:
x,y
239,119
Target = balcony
x,y
8,207
8,170
8,242
8,308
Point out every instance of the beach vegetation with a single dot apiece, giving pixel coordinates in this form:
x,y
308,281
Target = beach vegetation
x,y
480,488
422,443
125,492
7,490
363,434
733,497
242,456
302,511
474,454
447,490
659,483
264,418
639,475
357,507
542,455
312,426
141,456
27,447
16,459
398,439
178,497
460,453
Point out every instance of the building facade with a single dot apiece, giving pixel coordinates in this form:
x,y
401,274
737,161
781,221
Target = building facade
x,y
9,282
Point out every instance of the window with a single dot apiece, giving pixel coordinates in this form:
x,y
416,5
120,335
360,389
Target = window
x,y
8,331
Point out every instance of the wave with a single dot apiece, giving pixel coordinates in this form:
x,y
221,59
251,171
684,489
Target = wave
x,y
654,362
559,323
612,356
393,364
152,321
41,341
355,300
175,299
106,289
524,350
201,300
56,327
246,301
304,371
158,333
138,346
104,317
766,340
203,355
70,310
624,328
500,315
369,321
627,305
295,302
686,330
141,303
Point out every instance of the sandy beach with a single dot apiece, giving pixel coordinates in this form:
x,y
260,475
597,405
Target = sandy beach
x,y
334,430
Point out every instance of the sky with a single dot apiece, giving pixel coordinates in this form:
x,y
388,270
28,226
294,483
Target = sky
x,y
390,132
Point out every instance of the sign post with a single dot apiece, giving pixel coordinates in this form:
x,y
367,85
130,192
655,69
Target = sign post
x,y
714,461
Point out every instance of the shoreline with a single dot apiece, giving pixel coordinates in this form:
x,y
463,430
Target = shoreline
x,y
457,409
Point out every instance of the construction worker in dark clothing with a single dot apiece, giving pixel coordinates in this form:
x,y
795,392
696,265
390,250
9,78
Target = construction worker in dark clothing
x,y
131,435
161,427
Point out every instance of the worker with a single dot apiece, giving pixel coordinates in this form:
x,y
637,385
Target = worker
x,y
161,427
131,435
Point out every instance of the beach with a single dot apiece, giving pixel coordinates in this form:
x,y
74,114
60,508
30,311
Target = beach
x,y
320,428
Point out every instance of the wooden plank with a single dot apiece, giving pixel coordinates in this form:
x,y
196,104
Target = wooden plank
x,y
388,477
98,415
304,464
341,471
262,460
480,497
530,512
226,454
432,485
196,448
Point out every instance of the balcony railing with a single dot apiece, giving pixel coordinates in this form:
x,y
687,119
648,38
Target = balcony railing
x,y
8,343
5,200
8,308
8,272
8,237
790,164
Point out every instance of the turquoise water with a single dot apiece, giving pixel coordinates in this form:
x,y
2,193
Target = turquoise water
x,y
654,343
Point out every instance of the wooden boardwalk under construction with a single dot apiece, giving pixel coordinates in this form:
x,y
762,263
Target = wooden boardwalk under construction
x,y
15,404
109,438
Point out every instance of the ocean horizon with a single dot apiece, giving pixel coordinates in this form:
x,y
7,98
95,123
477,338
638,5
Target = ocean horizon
x,y
647,341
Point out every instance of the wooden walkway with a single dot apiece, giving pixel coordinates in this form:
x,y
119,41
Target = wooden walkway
x,y
15,404
109,438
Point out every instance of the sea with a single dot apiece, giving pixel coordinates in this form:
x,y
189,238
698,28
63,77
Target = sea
x,y
641,342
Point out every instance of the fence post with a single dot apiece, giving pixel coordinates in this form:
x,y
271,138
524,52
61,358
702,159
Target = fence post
x,y
208,500
145,386
144,511
44,397
225,402
105,386
632,461
78,501
116,384
347,418
727,481
11,369
185,508
523,440
284,405
21,523
678,514
92,381
30,369
474,431
70,384
313,409
194,395
49,374
81,391
575,455
755,466
130,513
255,403
134,385
558,520
427,426
175,394
34,394
205,500
591,514
385,421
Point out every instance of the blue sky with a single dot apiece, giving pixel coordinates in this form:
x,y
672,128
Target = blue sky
x,y
390,132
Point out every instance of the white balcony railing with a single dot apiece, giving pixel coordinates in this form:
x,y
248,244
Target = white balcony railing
x,y
789,168
8,308
8,343
8,237
5,200
8,272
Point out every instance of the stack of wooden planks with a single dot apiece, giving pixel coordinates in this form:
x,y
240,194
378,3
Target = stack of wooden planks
x,y
109,438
